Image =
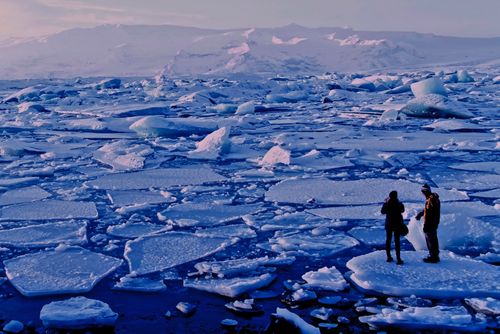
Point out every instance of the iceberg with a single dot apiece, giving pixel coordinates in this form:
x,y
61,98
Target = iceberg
x,y
155,253
275,155
372,273
213,145
435,106
428,86
77,313
246,108
67,269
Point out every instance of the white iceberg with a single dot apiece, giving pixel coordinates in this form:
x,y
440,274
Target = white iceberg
x,y
77,313
43,235
156,178
453,277
49,209
232,287
325,279
275,155
213,145
155,253
428,86
246,108
60,271
435,106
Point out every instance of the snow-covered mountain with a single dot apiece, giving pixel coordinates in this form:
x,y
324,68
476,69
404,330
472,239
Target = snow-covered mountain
x,y
120,50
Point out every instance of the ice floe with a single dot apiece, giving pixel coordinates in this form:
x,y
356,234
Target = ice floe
x,y
141,284
213,145
49,209
325,279
44,235
453,277
275,155
77,313
428,86
300,324
488,305
23,195
122,156
157,126
156,178
156,253
135,229
435,106
232,287
67,269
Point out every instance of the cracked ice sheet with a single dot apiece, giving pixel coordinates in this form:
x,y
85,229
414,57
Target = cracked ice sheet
x,y
131,197
207,214
485,166
44,235
157,178
449,318
453,277
156,253
60,271
23,195
309,245
135,230
50,209
241,231
231,287
467,181
325,191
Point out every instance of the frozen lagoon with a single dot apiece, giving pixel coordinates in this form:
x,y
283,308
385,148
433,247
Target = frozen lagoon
x,y
152,209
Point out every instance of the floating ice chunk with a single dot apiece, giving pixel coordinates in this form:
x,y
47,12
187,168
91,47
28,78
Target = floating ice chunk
x,y
290,97
325,279
230,268
230,231
186,308
488,305
449,318
122,156
275,155
113,83
156,126
246,108
60,271
302,326
310,245
13,326
207,214
435,106
428,86
141,284
325,191
230,287
49,209
135,230
156,253
123,198
77,313
476,279
456,231
31,107
157,178
464,76
23,195
213,145
485,166
372,236
44,235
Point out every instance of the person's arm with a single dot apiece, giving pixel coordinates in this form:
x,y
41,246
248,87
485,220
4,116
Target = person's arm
x,y
419,215
384,208
402,207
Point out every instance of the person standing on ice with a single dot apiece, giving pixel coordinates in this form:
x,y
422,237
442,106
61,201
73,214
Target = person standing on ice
x,y
431,214
392,209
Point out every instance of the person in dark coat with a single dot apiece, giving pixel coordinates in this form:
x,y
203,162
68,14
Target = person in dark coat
x,y
431,214
392,209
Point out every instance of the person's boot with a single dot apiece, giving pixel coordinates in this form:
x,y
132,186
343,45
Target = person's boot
x,y
389,258
431,259
400,262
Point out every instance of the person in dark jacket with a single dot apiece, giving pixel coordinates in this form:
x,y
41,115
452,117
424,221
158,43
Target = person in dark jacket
x,y
392,209
431,214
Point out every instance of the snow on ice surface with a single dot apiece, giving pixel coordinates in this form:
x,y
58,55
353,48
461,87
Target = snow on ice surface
x,y
60,271
49,209
435,106
453,277
325,191
488,305
485,166
301,324
213,145
428,86
77,313
156,253
44,235
141,284
450,318
23,195
121,198
349,212
135,229
232,287
156,178
325,279
156,126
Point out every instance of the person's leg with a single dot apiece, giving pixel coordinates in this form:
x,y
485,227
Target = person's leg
x,y
388,239
434,250
397,243
428,241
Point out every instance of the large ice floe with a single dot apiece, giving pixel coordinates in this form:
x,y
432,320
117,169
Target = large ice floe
x,y
44,235
156,178
77,313
23,195
367,191
49,209
454,277
77,271
437,318
156,253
